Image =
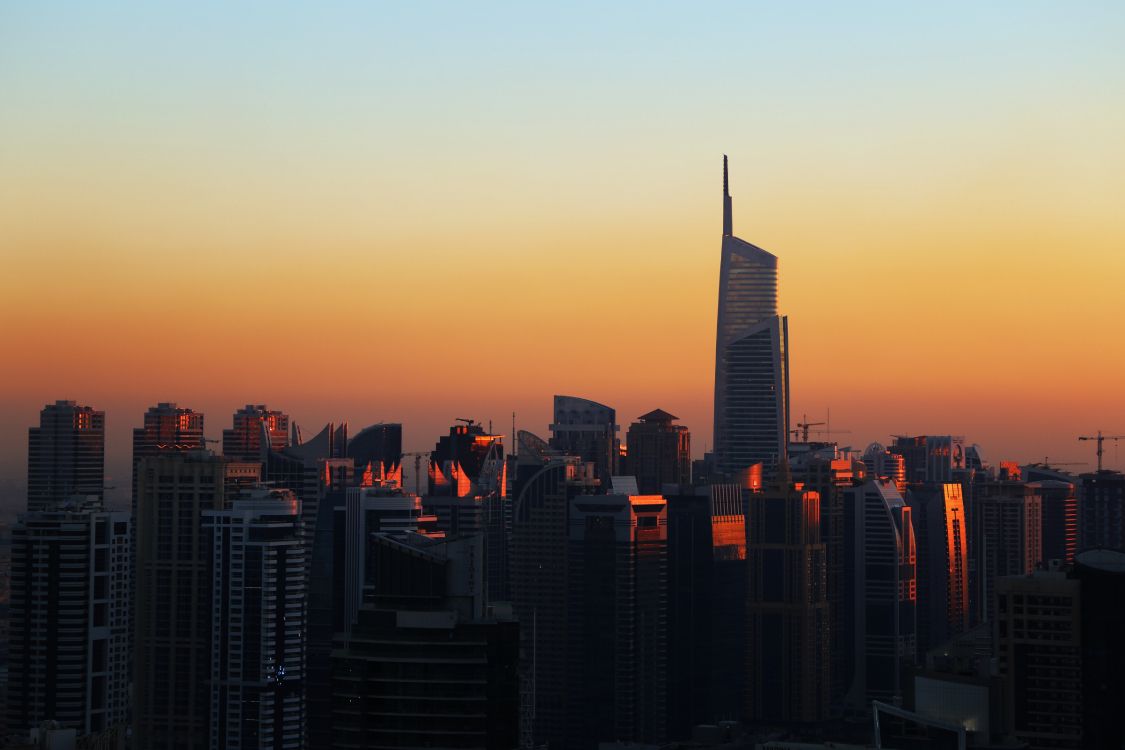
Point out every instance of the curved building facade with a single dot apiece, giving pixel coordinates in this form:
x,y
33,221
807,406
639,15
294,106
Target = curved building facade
x,y
751,356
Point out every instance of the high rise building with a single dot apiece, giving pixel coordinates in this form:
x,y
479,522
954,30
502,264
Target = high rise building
x,y
706,606
459,459
659,452
377,443
929,458
1008,516
617,633
751,357
69,618
424,666
172,606
938,514
883,464
258,621
1101,573
1038,639
1101,511
65,455
588,430
539,572
243,441
167,428
1059,527
787,614
880,599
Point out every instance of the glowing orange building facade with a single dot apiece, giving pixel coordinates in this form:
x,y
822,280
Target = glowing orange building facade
x,y
938,511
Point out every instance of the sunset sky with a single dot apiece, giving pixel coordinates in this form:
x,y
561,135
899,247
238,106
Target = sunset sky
x,y
434,210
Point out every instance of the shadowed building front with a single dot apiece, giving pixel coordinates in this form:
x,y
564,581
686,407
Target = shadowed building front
x,y
751,357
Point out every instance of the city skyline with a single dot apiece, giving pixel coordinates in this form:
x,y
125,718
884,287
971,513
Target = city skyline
x,y
939,181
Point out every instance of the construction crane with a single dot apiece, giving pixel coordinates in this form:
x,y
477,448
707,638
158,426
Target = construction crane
x,y
803,428
468,422
417,468
1100,438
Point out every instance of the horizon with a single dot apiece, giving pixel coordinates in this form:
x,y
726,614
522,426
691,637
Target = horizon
x,y
315,213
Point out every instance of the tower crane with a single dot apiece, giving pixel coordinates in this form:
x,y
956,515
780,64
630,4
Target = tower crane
x,y
803,428
1100,438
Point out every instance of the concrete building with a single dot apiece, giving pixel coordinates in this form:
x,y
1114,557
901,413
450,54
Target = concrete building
x,y
172,606
243,441
588,430
751,357
1037,631
1101,511
881,463
69,619
167,428
659,452
1101,574
1008,541
1058,530
258,622
65,455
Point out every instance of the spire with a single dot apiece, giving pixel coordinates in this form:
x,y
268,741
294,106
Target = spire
x,y
727,219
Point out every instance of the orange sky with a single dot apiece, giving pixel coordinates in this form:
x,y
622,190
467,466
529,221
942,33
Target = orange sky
x,y
418,239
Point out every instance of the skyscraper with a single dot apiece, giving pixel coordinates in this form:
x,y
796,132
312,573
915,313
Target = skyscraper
x,y
751,357
659,452
588,430
1101,511
616,603
69,637
243,441
938,513
787,677
65,455
167,428
258,621
1008,516
1059,527
880,594
172,611
1102,576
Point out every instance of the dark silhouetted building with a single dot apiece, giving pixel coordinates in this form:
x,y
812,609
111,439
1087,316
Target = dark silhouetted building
x,y
1058,529
377,443
1101,573
1008,517
167,428
243,441
883,464
880,597
928,459
787,616
459,458
1101,511
617,634
751,357
938,514
659,452
1038,639
172,604
65,455
423,667
69,618
588,430
706,607
258,621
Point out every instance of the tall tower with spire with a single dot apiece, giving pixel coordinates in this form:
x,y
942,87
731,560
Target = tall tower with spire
x,y
751,357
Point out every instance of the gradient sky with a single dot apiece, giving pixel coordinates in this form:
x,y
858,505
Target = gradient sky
x,y
426,211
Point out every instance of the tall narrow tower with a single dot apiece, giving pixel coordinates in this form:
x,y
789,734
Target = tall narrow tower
x,y
751,357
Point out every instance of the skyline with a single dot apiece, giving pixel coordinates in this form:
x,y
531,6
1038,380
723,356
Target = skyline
x,y
276,173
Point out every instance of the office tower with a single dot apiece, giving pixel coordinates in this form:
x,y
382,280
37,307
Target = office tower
x,y
459,458
617,634
1102,576
65,455
424,667
243,441
823,471
1101,511
659,452
882,464
929,458
706,606
751,357
787,614
880,597
172,605
588,430
257,602
377,443
539,576
1039,656
69,618
1059,526
938,514
1008,515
